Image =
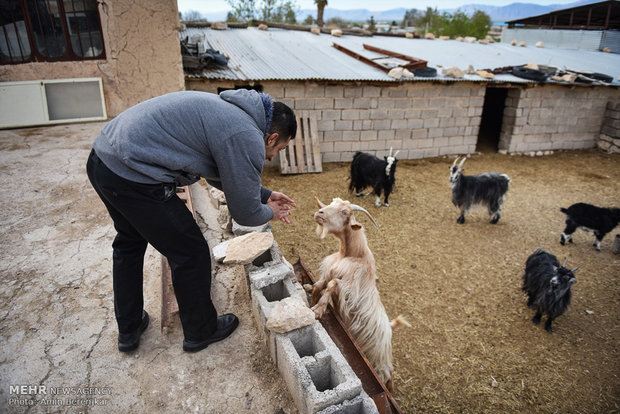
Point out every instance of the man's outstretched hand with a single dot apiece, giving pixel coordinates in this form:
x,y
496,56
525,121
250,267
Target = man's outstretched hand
x,y
281,205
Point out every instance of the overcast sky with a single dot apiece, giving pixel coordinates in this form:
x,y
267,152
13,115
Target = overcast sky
x,y
210,6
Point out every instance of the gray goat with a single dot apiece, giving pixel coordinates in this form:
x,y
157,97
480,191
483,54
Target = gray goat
x,y
488,189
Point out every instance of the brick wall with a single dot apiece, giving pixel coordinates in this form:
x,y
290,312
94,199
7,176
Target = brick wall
x,y
554,117
428,119
609,138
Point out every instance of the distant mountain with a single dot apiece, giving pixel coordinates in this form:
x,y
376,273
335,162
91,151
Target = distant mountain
x,y
498,14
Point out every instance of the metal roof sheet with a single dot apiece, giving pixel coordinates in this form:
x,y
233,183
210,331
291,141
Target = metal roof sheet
x,y
278,54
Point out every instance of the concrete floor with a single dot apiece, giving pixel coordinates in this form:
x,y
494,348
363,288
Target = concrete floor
x,y
57,328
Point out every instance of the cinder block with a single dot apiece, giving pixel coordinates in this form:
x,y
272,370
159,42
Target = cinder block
x,y
314,369
362,404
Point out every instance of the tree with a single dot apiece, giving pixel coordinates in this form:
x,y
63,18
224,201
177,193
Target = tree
x,y
412,18
320,4
371,24
192,16
337,21
480,24
309,20
243,10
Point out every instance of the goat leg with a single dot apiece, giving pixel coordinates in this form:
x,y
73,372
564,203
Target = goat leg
x,y
317,288
548,324
536,318
332,289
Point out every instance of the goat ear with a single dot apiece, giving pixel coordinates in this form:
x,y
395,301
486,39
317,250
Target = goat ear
x,y
572,281
318,202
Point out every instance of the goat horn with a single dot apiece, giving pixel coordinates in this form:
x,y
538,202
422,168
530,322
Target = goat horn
x,y
575,269
390,152
564,264
454,163
396,153
355,207
461,164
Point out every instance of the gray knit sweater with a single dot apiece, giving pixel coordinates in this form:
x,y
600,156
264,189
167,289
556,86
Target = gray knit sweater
x,y
182,136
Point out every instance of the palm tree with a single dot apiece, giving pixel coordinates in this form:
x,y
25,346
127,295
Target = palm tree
x,y
321,7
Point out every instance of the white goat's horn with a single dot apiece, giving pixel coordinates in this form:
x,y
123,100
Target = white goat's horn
x,y
454,163
355,207
396,153
575,269
390,152
564,264
461,164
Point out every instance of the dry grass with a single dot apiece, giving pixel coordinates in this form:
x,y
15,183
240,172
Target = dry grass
x,y
472,346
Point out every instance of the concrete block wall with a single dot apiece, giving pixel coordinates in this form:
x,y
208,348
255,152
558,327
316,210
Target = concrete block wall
x,y
552,117
421,119
316,373
609,138
428,119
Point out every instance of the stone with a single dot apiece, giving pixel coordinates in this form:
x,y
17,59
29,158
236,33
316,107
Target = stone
x,y
217,195
453,72
409,35
540,44
398,72
483,41
503,152
470,39
336,32
616,246
470,70
513,42
219,25
606,50
429,36
532,65
263,26
239,230
289,314
522,44
244,249
485,74
459,39
444,37
224,219
539,153
219,251
315,30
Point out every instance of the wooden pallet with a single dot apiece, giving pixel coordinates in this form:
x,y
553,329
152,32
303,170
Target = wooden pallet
x,y
169,305
303,154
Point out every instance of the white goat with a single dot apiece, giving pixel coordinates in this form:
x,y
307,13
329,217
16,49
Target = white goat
x,y
348,281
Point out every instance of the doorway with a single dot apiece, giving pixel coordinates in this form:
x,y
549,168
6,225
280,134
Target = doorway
x,y
491,122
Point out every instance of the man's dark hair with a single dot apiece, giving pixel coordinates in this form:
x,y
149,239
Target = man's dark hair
x,y
283,122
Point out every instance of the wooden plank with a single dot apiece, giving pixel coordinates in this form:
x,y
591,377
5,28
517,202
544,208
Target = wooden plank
x,y
303,154
316,149
299,148
307,142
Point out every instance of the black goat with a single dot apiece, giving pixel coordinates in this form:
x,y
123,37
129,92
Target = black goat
x,y
370,171
488,189
599,220
547,285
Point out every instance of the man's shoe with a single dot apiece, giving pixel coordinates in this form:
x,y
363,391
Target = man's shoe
x,y
127,342
226,324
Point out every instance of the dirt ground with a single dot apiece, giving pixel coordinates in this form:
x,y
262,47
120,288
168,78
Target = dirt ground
x,y
472,346
57,326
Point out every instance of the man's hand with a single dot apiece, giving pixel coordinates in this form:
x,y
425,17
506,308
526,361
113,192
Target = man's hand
x,y
281,205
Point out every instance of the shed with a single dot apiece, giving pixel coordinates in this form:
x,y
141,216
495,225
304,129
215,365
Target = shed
x,y
360,108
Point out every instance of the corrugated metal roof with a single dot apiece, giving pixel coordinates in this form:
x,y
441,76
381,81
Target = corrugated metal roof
x,y
278,54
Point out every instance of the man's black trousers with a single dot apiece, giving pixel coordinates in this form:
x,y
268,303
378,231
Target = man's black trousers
x,y
152,213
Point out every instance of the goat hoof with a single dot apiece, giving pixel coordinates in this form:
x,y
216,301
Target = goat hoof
x,y
536,320
386,204
548,329
562,242
359,194
460,220
494,221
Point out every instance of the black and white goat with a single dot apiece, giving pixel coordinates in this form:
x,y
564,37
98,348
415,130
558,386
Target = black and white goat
x,y
370,171
599,220
488,189
547,285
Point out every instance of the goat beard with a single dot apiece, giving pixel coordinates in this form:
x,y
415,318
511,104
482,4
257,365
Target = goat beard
x,y
321,231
